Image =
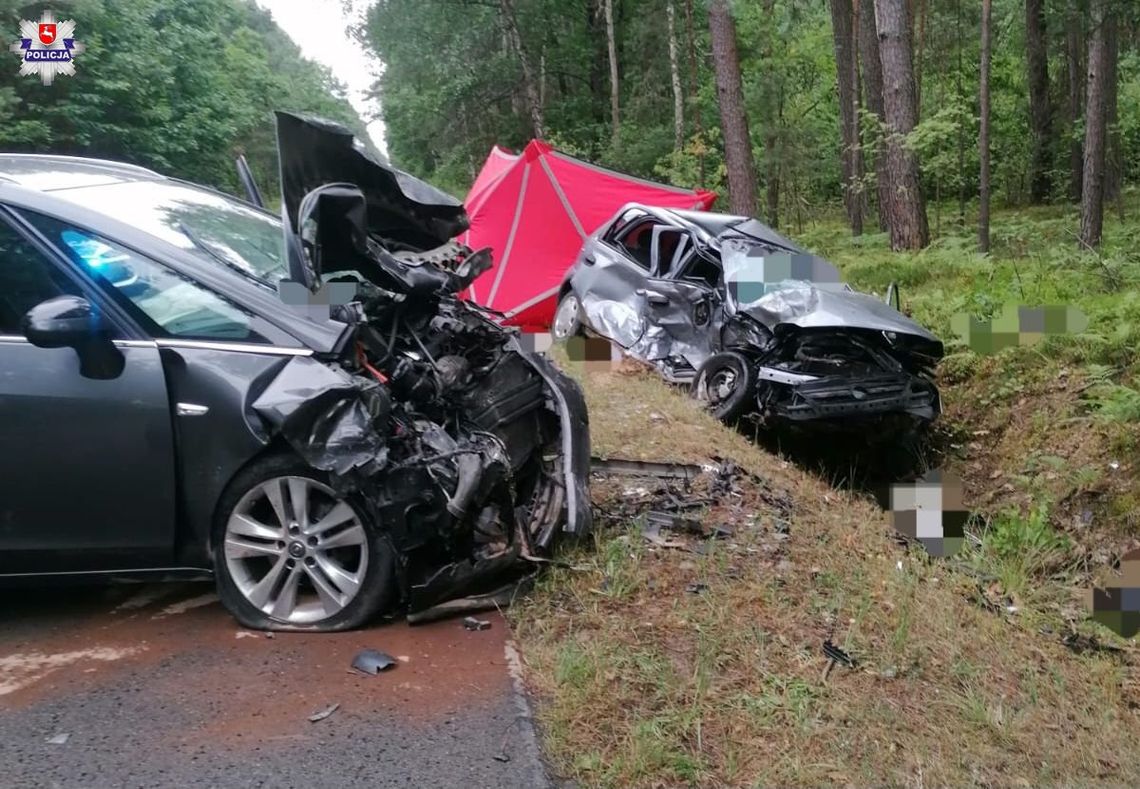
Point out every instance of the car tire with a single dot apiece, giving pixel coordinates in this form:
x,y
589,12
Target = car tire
x,y
726,385
567,318
340,576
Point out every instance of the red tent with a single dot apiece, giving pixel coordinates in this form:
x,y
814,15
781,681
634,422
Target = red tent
x,y
534,210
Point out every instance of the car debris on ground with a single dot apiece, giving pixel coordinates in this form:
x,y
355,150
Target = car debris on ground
x,y
471,623
316,717
672,503
835,655
371,661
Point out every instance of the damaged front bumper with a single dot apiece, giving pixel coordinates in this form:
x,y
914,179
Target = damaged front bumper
x,y
471,452
822,399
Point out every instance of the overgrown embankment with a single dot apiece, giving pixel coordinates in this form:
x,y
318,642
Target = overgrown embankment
x,y
690,661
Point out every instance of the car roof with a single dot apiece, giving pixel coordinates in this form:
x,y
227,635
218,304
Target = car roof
x,y
70,188
711,223
50,173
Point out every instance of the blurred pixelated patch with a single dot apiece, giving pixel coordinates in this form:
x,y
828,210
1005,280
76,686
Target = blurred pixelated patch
x,y
330,293
756,274
539,342
931,511
1117,606
1017,325
593,354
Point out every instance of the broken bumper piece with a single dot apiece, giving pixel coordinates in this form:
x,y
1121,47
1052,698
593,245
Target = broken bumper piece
x,y
832,398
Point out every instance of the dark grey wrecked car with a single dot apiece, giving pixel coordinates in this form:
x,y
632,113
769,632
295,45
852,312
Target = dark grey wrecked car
x,y
375,444
751,321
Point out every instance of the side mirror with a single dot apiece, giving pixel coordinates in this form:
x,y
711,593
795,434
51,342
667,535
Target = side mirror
x,y
70,322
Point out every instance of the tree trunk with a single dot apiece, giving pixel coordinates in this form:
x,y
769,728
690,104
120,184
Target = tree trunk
x,y
534,103
984,132
772,138
694,95
1074,58
842,26
920,59
675,75
772,192
1040,113
615,95
733,118
1113,161
873,84
597,58
906,219
961,127
1092,187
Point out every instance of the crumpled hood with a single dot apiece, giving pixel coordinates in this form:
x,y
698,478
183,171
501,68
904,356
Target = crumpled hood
x,y
314,152
809,306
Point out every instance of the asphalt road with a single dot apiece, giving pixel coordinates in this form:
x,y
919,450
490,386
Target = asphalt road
x,y
155,685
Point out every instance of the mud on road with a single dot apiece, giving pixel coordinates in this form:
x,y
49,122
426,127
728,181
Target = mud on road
x,y
156,685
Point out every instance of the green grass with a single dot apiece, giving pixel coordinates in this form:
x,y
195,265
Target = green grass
x,y
1034,260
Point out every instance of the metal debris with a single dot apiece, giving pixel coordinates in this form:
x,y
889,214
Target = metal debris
x,y
58,739
471,623
320,716
620,467
498,599
671,522
696,587
835,655
371,661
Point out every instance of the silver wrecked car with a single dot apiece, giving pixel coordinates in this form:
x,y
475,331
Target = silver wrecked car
x,y
752,322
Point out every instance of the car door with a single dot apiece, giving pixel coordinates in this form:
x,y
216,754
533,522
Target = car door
x,y
611,284
87,477
680,295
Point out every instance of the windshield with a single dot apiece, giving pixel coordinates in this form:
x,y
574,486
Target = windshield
x,y
209,224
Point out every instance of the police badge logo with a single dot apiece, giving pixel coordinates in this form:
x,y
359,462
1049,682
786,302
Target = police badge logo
x,y
48,48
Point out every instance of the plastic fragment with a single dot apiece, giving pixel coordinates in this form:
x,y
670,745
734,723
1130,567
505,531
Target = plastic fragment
x,y
320,716
371,661
471,623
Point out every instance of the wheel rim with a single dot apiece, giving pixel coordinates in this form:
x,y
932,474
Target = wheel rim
x,y
722,384
296,550
716,387
566,317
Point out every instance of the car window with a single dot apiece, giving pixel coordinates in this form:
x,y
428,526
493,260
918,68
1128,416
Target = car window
x,y
672,246
623,222
190,218
167,302
702,270
637,243
27,277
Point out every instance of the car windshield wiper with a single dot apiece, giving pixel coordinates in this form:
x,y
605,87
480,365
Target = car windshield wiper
x,y
197,241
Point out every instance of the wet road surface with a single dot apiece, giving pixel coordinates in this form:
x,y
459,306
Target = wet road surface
x,y
155,685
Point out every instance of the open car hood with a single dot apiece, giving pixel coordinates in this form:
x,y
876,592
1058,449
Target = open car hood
x,y
398,208
830,305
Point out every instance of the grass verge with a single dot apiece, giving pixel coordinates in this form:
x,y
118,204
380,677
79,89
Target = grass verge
x,y
962,676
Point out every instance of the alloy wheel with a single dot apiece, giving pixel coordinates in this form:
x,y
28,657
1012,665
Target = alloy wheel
x,y
296,550
566,319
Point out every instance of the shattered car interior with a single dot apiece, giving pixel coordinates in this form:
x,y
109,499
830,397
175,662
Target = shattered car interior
x,y
471,452
756,326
